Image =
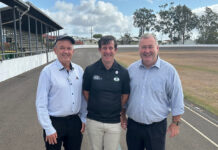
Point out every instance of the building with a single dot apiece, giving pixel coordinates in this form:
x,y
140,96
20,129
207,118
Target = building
x,y
22,26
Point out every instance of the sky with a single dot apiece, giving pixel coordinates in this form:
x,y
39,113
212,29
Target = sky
x,y
114,17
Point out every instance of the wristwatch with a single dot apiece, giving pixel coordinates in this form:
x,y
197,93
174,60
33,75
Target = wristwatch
x,y
176,122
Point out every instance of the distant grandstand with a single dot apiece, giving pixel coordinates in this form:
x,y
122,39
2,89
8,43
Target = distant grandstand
x,y
25,30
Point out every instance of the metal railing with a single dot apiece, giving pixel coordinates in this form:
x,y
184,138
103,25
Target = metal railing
x,y
10,54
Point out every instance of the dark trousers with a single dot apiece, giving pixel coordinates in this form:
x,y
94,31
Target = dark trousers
x,y
140,136
68,132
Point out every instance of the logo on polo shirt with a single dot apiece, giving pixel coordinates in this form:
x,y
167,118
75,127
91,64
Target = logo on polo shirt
x,y
116,79
97,77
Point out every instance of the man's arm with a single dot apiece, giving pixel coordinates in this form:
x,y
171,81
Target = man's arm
x,y
86,83
177,104
83,112
123,118
86,95
42,109
124,99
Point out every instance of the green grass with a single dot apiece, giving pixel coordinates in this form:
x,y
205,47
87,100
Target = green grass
x,y
200,102
197,68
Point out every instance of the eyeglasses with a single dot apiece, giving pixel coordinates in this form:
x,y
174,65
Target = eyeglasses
x,y
147,47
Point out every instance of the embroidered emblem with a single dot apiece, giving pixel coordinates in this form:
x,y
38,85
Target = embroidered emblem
x,y
97,77
116,79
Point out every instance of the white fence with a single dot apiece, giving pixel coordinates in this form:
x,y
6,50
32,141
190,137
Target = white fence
x,y
13,67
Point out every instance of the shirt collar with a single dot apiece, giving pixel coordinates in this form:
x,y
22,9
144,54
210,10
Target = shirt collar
x,y
157,63
61,67
114,66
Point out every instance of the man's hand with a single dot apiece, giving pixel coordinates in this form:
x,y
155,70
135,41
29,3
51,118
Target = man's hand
x,y
52,139
173,130
83,128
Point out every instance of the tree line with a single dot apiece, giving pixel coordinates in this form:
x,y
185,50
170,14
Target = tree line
x,y
178,22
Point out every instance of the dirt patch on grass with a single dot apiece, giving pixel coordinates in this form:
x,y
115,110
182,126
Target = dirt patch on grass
x,y
198,71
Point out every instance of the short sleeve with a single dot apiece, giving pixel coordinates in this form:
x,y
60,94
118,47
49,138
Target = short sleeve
x,y
126,83
86,80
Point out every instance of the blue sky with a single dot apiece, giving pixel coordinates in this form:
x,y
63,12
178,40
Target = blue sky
x,y
107,16
127,7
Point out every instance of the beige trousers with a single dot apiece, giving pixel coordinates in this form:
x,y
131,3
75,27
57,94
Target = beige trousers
x,y
103,135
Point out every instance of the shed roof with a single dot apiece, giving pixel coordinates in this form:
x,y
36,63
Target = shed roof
x,y
33,12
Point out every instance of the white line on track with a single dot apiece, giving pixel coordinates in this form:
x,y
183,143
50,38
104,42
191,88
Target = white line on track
x,y
216,145
201,116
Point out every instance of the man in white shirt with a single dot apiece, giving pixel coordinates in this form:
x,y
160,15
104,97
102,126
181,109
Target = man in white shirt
x,y
60,106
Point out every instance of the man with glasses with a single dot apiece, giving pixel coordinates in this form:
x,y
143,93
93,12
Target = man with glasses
x,y
155,91
60,105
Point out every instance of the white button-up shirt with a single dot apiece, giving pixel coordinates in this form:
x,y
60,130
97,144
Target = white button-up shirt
x,y
59,94
154,92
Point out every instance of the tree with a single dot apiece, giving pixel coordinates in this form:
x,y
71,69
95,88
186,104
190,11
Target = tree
x,y
208,27
184,22
165,23
97,36
177,22
144,19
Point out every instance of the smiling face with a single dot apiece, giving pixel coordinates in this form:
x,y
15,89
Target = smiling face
x,y
148,50
108,52
64,51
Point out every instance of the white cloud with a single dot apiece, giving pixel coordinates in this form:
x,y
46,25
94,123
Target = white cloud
x,y
104,18
63,6
200,11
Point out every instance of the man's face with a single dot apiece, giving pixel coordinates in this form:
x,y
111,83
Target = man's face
x,y
108,52
64,51
148,50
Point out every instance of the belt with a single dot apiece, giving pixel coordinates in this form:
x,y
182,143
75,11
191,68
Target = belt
x,y
64,117
146,124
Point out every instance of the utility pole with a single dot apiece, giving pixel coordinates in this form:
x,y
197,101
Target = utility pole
x,y
91,34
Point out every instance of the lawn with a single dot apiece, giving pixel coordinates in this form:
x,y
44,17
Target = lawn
x,y
198,71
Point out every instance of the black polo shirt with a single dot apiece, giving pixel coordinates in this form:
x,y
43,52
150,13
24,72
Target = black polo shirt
x,y
105,89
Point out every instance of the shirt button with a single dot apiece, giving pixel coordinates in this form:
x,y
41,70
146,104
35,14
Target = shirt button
x,y
70,83
72,93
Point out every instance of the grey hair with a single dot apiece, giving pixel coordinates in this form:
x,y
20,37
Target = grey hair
x,y
148,35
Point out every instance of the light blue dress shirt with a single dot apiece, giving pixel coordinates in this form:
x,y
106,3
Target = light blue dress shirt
x,y
154,92
59,94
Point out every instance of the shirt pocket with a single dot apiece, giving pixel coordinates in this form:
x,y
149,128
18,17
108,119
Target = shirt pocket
x,y
157,88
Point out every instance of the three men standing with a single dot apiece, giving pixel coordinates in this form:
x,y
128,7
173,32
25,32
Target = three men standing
x,y
155,87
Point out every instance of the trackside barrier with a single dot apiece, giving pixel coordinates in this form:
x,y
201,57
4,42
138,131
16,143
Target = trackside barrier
x,y
15,66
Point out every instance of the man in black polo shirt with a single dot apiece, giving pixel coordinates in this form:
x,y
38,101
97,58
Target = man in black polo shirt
x,y
106,88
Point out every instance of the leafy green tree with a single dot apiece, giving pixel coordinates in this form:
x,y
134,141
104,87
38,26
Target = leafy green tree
x,y
184,22
177,22
208,27
144,19
97,36
165,22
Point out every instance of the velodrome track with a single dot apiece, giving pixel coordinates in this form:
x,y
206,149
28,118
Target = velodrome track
x,y
20,130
